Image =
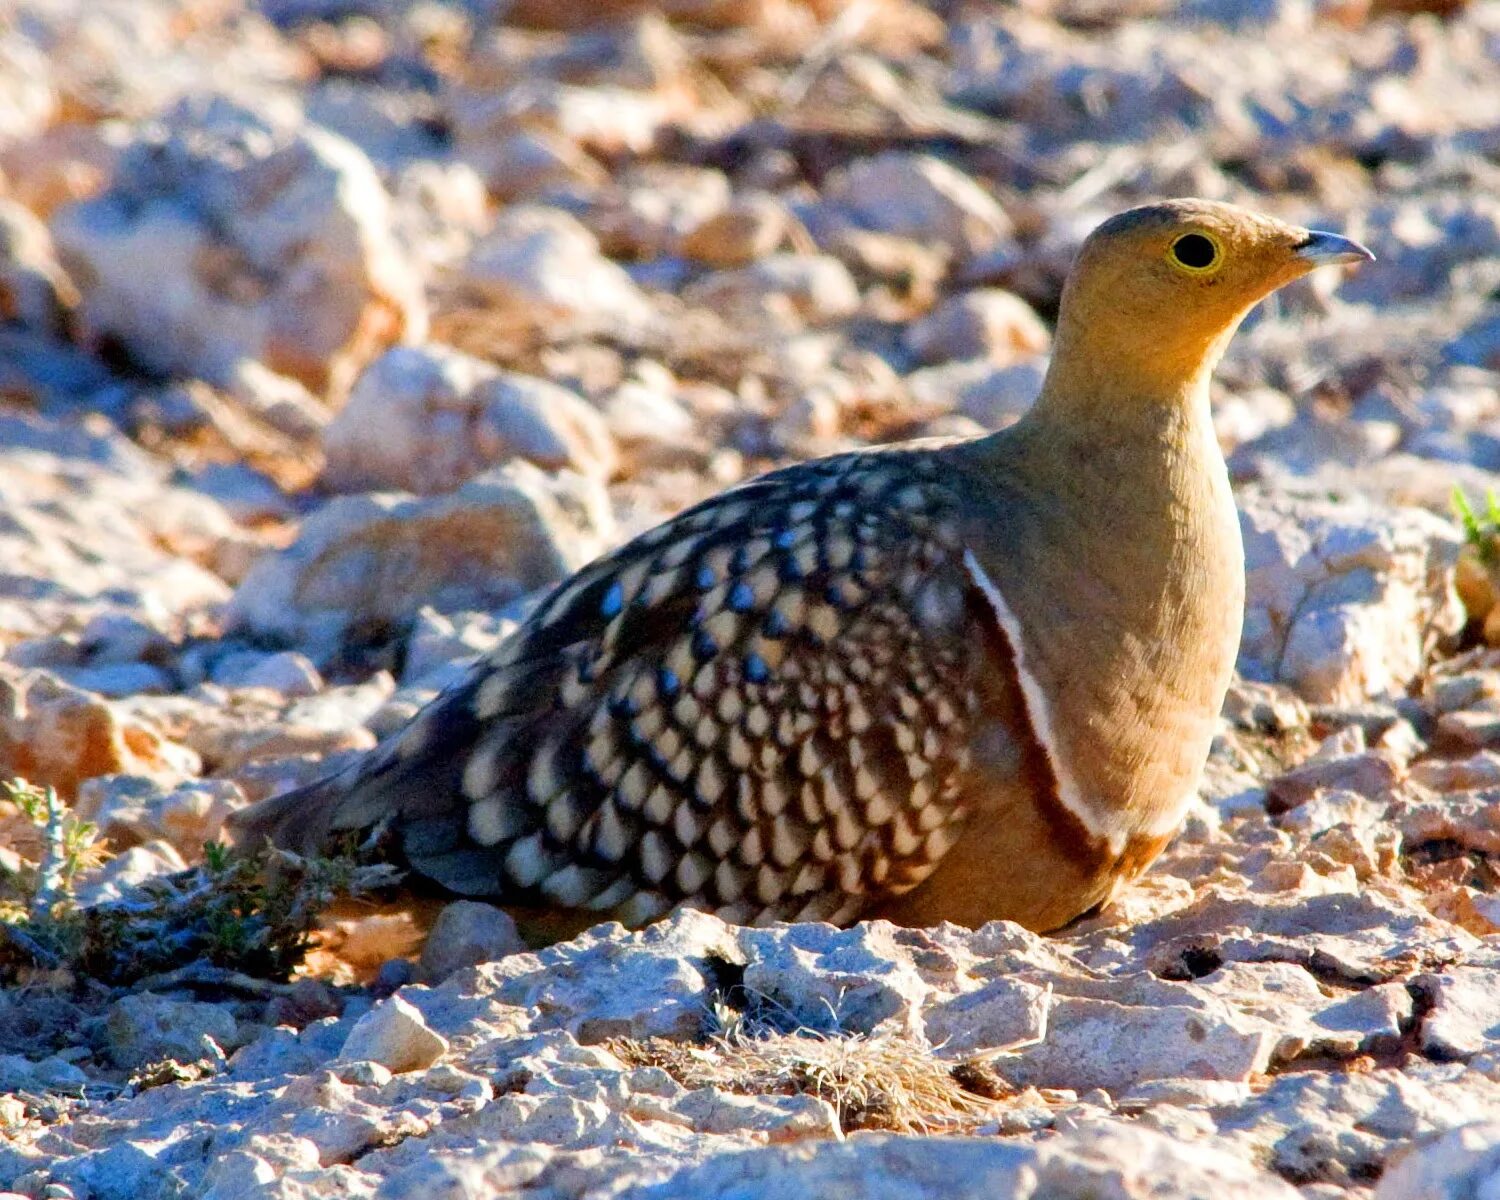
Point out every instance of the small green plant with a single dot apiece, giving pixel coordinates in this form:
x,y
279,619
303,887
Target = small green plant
x,y
251,913
215,857
1481,530
247,912
69,846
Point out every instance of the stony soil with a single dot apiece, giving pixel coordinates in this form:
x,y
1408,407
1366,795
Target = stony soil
x,y
332,332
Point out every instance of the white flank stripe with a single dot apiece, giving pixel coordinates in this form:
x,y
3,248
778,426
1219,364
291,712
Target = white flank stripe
x,y
1040,712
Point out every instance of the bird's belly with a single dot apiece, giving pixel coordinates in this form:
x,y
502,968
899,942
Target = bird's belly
x,y
1018,859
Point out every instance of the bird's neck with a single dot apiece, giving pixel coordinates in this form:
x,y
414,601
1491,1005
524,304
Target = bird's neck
x,y
1109,528
1101,373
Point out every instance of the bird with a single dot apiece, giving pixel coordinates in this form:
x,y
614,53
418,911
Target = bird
x,y
945,680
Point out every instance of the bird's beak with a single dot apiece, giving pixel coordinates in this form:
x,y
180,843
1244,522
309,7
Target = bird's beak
x,y
1319,249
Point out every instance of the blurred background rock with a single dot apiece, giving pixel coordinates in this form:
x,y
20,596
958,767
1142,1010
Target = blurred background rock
x,y
332,332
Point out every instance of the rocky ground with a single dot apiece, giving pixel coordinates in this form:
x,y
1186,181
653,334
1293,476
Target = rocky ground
x,y
333,331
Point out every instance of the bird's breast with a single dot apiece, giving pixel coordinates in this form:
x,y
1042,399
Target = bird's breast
x,y
1122,605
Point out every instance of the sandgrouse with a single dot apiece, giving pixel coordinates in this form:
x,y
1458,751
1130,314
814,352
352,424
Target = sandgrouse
x,y
940,681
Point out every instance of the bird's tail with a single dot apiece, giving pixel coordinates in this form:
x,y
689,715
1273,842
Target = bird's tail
x,y
299,820
390,786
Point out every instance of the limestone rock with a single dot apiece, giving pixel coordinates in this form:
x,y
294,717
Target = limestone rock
x,y
1338,1128
1464,1015
743,231
122,874
975,388
56,735
443,643
852,980
427,419
1000,1015
28,95
1341,598
122,60
146,1028
923,198
34,291
93,527
1115,1161
1102,1043
466,933
130,810
378,558
232,234
604,984
539,266
287,672
1462,1162
987,323
786,290
394,1035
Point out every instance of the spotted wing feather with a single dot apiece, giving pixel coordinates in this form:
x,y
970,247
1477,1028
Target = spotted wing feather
x,y
762,708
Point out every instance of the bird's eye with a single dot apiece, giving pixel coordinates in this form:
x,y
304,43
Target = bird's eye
x,y
1196,252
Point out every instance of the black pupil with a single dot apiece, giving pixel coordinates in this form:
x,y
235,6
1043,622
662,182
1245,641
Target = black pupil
x,y
1194,250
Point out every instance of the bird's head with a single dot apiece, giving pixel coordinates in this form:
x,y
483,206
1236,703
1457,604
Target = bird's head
x,y
1157,291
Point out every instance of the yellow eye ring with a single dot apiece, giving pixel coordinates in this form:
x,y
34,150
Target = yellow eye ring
x,y
1196,253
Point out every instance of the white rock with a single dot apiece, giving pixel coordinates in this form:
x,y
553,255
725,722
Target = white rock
x,y
125,872
363,1072
121,637
439,641
607,983
1122,1162
987,323
788,289
342,708
645,215
440,209
772,1118
145,1028
650,422
286,673
51,733
426,419
921,197
18,1073
748,228
975,388
394,1035
1462,1164
529,162
280,401
28,96
228,235
128,60
848,980
609,120
130,810
468,932
539,265
381,557
1342,597
1002,1014
92,526
118,679
1370,773
1464,1016
33,288
1104,1043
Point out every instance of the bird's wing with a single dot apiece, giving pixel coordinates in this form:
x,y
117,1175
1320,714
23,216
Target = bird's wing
x,y
761,708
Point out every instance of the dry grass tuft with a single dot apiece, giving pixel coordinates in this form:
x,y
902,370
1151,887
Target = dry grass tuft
x,y
884,1081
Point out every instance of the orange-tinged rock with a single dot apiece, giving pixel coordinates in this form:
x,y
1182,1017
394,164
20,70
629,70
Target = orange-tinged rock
x,y
57,736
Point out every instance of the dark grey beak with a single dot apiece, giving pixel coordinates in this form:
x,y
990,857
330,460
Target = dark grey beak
x,y
1323,249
